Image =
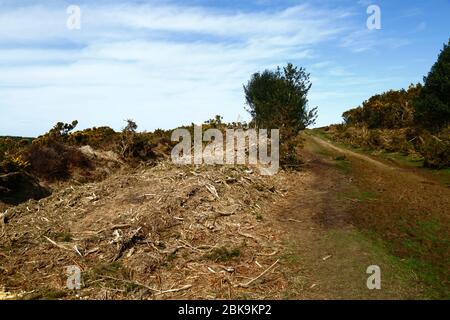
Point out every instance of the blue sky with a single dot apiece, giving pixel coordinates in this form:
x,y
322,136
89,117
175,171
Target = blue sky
x,y
167,63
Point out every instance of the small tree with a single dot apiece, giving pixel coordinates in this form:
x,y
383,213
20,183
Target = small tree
x,y
127,139
432,108
278,99
134,146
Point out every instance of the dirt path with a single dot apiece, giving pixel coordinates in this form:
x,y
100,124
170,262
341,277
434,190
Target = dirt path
x,y
408,174
338,226
328,145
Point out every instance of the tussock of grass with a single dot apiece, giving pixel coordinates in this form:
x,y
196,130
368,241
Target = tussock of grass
x,y
45,293
223,254
63,236
291,255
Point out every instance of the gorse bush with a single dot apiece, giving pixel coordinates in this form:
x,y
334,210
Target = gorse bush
x,y
51,157
100,138
59,133
11,159
436,149
413,121
389,110
12,164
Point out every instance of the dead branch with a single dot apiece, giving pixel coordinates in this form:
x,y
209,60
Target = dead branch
x,y
174,290
131,282
74,249
254,279
127,243
248,236
213,190
267,254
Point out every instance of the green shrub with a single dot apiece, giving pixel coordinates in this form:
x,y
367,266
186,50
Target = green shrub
x,y
278,99
389,110
99,138
11,159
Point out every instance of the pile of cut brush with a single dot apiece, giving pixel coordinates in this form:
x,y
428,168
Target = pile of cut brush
x,y
148,233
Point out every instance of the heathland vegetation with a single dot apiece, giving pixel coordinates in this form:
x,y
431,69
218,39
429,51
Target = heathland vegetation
x,y
276,100
413,121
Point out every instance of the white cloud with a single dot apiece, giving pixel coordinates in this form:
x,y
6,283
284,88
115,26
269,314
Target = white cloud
x,y
364,40
163,65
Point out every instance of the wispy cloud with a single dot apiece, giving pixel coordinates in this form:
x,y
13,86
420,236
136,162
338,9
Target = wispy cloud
x,y
175,63
364,40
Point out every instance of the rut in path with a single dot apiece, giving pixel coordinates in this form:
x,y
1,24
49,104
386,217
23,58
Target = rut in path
x,y
328,145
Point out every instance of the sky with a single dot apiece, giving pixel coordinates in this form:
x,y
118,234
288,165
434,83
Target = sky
x,y
169,63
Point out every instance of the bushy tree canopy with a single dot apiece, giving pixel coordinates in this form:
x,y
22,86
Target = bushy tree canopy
x,y
432,108
278,99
